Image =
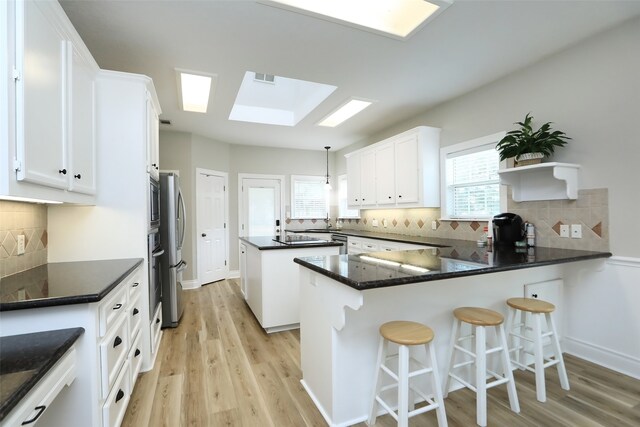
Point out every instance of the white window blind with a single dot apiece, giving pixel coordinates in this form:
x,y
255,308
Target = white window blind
x,y
309,198
472,182
343,210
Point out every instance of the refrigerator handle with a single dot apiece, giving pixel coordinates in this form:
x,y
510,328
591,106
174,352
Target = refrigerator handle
x,y
184,217
182,266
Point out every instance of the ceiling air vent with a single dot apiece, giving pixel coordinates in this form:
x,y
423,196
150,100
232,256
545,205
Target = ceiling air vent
x,y
165,122
265,78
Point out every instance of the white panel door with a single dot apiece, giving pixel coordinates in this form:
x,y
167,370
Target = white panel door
x,y
211,228
261,207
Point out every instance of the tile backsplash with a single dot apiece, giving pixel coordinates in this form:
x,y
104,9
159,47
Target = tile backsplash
x,y
591,210
18,218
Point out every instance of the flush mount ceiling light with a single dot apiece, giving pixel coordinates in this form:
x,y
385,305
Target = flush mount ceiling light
x,y
345,112
395,18
194,88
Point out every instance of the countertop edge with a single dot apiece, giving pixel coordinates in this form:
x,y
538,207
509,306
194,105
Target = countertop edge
x,y
389,237
363,286
12,401
279,246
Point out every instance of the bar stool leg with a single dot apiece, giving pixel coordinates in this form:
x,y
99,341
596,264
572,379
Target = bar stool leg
x,y
403,386
555,342
435,384
481,372
382,351
455,331
508,372
538,354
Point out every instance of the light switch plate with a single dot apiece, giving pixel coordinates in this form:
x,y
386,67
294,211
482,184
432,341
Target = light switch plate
x,y
434,225
20,249
564,230
374,222
576,231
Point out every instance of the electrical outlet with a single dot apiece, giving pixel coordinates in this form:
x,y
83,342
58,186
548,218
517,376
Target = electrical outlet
x,y
576,231
564,230
434,225
384,222
20,249
374,222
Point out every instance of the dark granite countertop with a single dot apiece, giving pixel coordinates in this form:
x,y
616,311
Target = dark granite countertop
x,y
26,359
268,243
463,258
418,240
63,283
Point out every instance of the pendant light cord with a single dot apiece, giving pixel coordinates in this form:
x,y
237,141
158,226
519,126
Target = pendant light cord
x,y
327,148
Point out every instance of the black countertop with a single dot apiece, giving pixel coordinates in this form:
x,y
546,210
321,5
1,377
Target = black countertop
x,y
64,283
268,243
461,258
26,359
418,240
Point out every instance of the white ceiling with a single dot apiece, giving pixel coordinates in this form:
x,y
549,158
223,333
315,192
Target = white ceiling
x,y
470,44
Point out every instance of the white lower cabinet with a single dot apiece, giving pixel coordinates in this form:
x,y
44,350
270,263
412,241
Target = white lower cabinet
x,y
108,356
156,331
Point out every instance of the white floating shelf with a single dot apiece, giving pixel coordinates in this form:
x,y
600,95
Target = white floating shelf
x,y
544,181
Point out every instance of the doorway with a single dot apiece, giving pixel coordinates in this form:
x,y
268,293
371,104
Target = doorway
x,y
260,209
212,233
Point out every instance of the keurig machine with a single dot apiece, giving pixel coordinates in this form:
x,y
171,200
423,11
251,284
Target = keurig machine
x,y
507,229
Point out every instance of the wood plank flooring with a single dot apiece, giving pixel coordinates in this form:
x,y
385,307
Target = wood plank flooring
x,y
219,368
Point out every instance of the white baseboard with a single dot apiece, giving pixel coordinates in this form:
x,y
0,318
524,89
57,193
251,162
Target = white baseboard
x,y
190,284
233,274
616,361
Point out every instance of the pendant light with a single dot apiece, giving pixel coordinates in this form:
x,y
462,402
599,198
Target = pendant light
x,y
326,184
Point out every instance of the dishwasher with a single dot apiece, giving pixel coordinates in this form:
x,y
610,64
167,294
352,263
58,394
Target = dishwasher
x,y
341,239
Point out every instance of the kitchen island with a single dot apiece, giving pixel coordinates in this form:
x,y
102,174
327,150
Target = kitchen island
x,y
344,299
269,279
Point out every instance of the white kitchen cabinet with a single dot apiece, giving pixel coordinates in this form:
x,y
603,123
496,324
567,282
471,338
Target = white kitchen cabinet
x,y
404,172
361,180
153,139
103,377
243,270
47,142
354,192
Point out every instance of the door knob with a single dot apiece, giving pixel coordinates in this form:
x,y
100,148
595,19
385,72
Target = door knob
x,y
204,234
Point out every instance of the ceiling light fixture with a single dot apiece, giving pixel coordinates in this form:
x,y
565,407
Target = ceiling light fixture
x,y
345,112
395,18
194,89
327,186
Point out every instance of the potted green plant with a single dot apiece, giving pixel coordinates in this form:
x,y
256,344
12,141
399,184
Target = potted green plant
x,y
528,146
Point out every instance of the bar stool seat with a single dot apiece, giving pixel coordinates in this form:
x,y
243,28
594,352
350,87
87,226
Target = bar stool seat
x,y
406,334
479,319
535,311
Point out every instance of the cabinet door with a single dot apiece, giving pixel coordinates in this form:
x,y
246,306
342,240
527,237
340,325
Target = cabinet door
x,y
385,180
82,143
354,197
41,96
407,174
368,178
153,162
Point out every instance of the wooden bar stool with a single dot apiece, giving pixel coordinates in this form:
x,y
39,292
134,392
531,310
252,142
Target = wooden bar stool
x,y
537,310
479,319
406,334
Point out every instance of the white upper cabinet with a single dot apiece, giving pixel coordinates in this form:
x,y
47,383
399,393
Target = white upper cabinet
x,y
405,170
367,179
354,193
153,139
49,147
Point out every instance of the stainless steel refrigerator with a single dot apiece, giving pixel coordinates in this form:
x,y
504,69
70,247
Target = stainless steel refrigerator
x,y
172,230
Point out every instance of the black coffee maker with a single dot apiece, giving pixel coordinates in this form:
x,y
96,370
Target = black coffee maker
x,y
508,228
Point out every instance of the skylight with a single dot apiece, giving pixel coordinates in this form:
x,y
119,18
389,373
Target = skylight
x,y
194,89
345,112
275,100
398,18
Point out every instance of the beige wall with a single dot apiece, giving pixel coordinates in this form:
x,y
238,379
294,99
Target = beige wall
x,y
22,218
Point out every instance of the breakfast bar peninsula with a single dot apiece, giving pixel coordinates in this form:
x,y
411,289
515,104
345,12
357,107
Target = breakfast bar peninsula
x,y
345,298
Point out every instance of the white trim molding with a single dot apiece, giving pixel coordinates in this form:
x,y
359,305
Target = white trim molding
x,y
190,284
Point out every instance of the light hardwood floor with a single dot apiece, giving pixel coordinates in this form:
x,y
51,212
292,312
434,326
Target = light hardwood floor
x,y
219,368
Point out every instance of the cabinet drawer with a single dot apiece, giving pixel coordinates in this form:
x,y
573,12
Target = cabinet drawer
x,y
156,331
111,308
116,404
135,284
113,351
34,404
135,359
356,244
135,317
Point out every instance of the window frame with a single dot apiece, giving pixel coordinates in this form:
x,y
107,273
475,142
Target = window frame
x,y
312,178
469,145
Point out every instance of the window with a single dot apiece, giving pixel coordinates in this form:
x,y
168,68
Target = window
x,y
471,185
309,197
343,210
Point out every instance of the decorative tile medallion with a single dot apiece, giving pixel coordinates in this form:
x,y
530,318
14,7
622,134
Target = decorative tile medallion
x,y
474,225
597,229
394,222
407,222
420,223
454,224
556,227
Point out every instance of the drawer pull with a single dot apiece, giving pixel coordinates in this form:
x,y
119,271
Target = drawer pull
x,y
117,306
157,321
135,284
40,410
137,353
135,311
117,342
120,395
